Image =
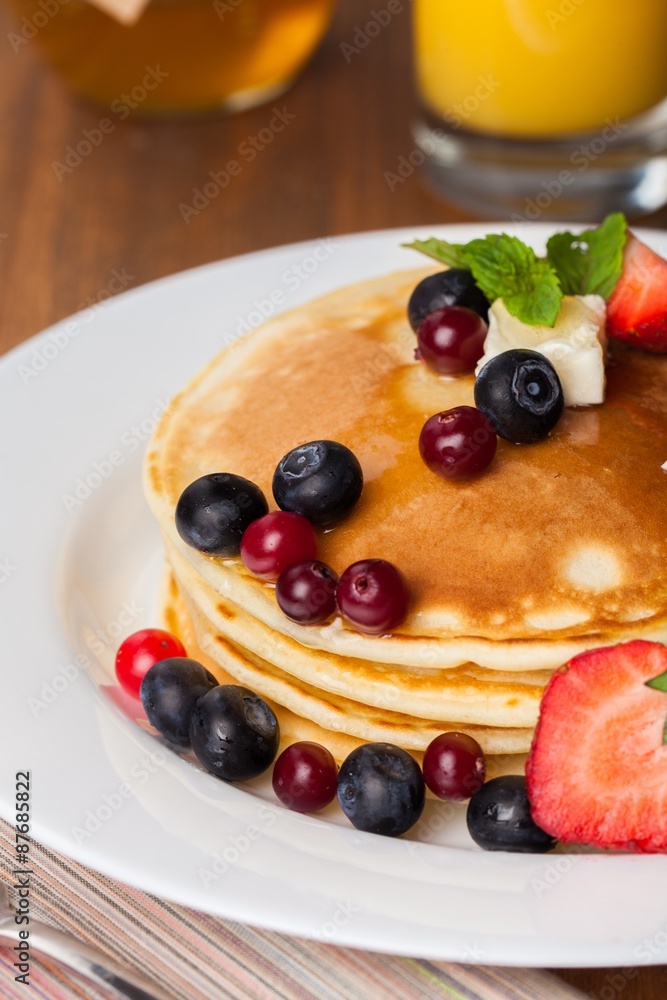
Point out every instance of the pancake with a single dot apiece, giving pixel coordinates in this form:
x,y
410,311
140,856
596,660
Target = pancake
x,y
175,618
426,652
558,547
468,694
304,712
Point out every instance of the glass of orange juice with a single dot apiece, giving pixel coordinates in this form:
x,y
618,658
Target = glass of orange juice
x,y
177,56
543,108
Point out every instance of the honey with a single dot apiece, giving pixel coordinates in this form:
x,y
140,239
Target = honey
x,y
199,54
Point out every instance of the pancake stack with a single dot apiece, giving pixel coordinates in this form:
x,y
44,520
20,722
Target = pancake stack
x,y
558,547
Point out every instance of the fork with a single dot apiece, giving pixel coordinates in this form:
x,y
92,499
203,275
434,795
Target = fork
x,y
68,950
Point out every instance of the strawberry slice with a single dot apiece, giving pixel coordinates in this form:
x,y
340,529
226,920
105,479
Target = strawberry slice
x,y
597,770
637,309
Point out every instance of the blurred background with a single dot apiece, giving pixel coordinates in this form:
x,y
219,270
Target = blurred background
x,y
97,197
65,233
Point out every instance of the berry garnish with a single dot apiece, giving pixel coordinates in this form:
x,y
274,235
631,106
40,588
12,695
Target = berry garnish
x,y
273,542
372,596
455,287
597,770
321,480
305,776
451,340
637,309
381,789
499,818
520,393
457,443
234,733
139,652
454,766
169,692
213,512
306,592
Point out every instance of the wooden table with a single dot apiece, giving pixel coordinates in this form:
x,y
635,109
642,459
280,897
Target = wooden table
x,y
62,240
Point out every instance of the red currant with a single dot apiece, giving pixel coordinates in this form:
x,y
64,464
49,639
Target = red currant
x,y
305,777
451,340
454,766
306,592
372,596
273,542
457,443
137,654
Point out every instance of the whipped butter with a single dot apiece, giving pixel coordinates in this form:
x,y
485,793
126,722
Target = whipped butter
x,y
575,346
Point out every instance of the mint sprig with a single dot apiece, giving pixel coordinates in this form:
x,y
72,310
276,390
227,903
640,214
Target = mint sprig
x,y
504,267
589,263
532,287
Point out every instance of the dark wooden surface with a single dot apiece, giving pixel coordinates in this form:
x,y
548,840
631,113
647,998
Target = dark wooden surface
x,y
62,240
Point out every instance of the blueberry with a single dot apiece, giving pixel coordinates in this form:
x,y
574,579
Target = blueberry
x,y
455,287
213,512
520,393
381,789
499,818
234,733
169,693
321,480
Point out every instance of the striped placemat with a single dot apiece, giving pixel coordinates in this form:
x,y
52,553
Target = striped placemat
x,y
197,957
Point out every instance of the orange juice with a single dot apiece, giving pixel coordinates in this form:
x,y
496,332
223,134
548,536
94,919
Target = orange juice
x,y
540,68
210,53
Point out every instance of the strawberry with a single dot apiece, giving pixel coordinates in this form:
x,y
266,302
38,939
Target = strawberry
x,y
637,309
597,770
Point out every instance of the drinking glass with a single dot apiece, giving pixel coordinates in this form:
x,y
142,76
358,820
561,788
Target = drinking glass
x,y
545,109
179,55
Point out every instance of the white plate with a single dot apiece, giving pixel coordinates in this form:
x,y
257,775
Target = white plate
x,y
79,553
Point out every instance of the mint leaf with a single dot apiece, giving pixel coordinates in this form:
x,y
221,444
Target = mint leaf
x,y
568,261
506,268
659,682
440,250
589,263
